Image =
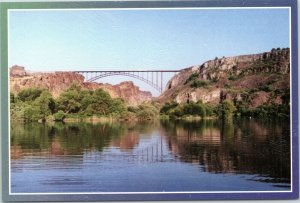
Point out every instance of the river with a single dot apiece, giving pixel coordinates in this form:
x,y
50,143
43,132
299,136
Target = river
x,y
154,156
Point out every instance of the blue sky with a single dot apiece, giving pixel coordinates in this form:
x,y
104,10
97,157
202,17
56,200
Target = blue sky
x,y
140,39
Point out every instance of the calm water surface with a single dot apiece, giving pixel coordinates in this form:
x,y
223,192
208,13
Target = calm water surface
x,y
241,155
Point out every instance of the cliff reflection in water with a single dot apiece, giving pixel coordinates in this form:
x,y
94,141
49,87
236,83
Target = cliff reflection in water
x,y
243,146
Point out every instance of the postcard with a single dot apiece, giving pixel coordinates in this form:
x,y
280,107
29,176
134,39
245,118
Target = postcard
x,y
149,100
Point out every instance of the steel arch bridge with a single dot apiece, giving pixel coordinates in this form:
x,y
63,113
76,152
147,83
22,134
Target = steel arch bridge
x,y
154,78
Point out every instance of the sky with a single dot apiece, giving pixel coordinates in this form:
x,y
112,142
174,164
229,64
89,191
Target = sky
x,y
69,40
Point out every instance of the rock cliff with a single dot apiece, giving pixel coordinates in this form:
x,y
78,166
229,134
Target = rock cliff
x,y
255,79
17,71
56,82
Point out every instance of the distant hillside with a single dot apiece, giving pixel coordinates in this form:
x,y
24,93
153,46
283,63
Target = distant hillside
x,y
250,79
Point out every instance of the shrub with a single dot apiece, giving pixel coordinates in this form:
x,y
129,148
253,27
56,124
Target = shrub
x,y
232,77
147,112
175,110
226,109
209,110
117,107
168,106
29,94
132,109
215,79
265,88
12,98
193,76
59,116
32,113
198,83
129,116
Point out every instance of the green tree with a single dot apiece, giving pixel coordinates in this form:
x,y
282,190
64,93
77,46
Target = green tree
x,y
89,111
226,109
176,112
133,109
117,107
168,106
59,116
209,110
201,109
12,98
31,113
103,102
69,101
87,101
147,111
29,94
45,103
190,109
286,97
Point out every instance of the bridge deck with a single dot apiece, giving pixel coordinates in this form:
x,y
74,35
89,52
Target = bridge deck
x,y
126,71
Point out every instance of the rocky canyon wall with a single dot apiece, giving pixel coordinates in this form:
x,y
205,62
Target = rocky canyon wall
x,y
57,82
254,79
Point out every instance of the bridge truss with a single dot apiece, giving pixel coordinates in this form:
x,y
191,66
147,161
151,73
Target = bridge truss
x,y
154,78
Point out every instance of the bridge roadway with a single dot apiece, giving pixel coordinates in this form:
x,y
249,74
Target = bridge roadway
x,y
92,71
153,78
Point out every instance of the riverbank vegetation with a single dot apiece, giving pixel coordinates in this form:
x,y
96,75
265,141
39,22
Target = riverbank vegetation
x,y
75,103
225,109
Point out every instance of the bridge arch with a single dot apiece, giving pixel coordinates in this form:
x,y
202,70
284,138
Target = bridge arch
x,y
151,83
154,78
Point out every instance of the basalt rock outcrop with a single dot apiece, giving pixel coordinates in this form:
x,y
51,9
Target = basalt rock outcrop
x,y
57,82
131,94
254,79
17,71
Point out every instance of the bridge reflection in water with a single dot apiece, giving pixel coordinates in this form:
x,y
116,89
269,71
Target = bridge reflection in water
x,y
154,78
153,153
